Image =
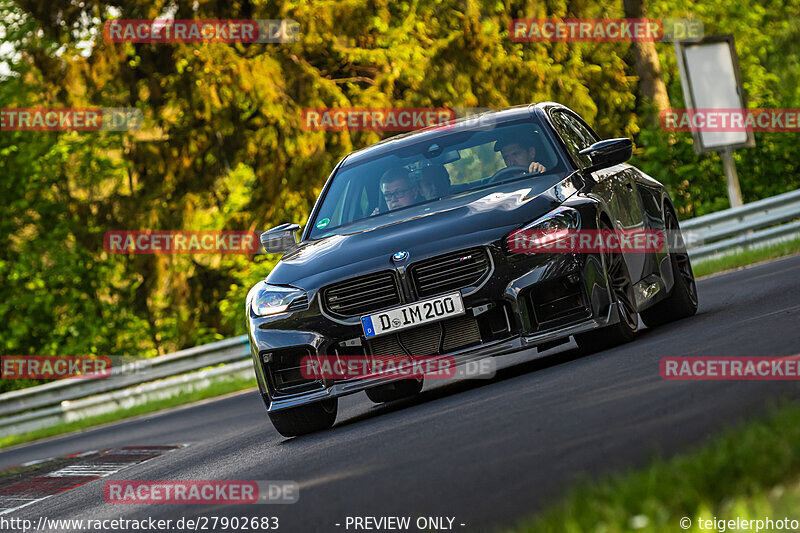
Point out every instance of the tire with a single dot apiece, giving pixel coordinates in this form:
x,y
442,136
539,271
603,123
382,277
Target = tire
x,y
305,419
622,292
682,301
397,390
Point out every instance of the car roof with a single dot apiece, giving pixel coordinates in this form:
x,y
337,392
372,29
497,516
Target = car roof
x,y
476,122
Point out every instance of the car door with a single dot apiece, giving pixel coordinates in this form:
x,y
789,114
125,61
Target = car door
x,y
615,185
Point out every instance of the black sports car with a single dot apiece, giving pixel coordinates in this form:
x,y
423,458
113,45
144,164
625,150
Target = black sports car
x,y
421,222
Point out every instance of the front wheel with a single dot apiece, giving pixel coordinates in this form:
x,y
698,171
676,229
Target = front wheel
x,y
306,418
682,301
622,294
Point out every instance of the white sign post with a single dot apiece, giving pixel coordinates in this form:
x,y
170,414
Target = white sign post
x,y
710,77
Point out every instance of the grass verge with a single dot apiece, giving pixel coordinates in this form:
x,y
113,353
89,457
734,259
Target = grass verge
x,y
217,388
746,257
749,472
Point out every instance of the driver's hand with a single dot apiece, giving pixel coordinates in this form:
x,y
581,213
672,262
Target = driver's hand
x,y
536,168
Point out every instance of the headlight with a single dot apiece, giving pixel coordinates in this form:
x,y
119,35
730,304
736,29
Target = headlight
x,y
562,218
266,299
540,234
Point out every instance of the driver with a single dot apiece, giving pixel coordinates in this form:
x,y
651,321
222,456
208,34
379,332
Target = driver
x,y
519,153
398,189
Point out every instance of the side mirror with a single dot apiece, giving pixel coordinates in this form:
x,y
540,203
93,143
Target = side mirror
x,y
608,153
280,239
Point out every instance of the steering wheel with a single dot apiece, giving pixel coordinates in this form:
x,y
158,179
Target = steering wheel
x,y
505,172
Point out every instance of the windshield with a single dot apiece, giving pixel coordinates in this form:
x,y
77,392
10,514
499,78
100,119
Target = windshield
x,y
426,172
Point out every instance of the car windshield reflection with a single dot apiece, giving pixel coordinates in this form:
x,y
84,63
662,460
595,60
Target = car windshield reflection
x,y
420,175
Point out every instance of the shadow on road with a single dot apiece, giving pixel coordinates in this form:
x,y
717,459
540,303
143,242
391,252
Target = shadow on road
x,y
545,361
540,363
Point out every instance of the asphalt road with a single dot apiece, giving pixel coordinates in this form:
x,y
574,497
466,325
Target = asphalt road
x,y
486,452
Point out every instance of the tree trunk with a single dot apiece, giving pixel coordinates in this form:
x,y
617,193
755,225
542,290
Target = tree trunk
x,y
651,85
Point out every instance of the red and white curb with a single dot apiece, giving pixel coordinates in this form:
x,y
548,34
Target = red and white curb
x,y
91,465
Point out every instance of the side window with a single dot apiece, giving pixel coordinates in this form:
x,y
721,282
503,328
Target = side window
x,y
574,134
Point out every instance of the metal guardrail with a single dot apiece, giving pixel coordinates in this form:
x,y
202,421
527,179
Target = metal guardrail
x,y
164,366
74,410
70,399
754,224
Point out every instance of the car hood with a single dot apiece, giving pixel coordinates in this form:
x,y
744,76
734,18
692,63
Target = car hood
x,y
462,221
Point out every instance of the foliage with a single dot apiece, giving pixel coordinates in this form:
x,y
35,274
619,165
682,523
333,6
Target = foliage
x,y
767,40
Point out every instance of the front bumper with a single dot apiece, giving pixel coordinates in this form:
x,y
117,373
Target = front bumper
x,y
462,358
517,283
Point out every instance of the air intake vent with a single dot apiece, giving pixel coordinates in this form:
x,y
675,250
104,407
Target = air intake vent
x,y
422,340
284,370
359,296
429,339
460,332
298,304
449,272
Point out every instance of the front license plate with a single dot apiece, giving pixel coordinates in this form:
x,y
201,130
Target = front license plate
x,y
412,315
